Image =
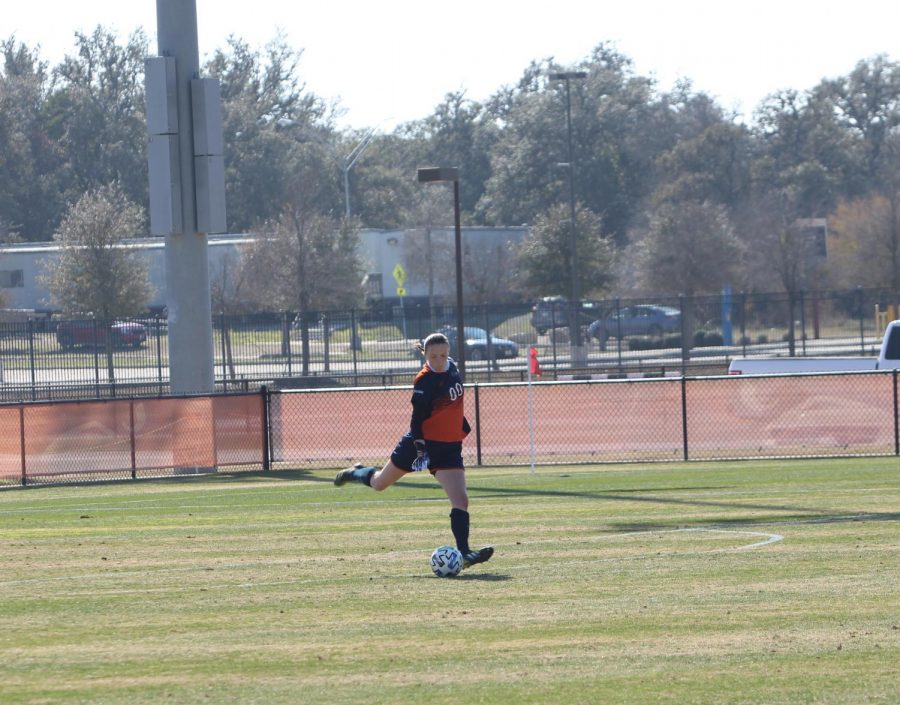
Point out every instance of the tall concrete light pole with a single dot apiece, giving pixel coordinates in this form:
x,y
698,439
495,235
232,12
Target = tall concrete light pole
x,y
575,299
187,188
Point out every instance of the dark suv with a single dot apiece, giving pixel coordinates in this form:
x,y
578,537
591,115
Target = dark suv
x,y
553,312
93,333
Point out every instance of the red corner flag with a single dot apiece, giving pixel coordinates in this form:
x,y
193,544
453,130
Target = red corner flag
x,y
535,366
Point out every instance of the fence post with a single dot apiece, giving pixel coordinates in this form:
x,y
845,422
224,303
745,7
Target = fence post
x,y
685,343
22,443
224,354
325,322
96,358
159,375
131,434
859,308
792,334
31,359
355,345
266,459
477,426
553,332
744,323
492,362
619,331
684,424
896,420
803,322
286,325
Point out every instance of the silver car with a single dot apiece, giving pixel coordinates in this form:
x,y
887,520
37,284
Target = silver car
x,y
476,344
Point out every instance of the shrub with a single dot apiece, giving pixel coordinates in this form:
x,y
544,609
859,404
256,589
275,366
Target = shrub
x,y
672,341
708,339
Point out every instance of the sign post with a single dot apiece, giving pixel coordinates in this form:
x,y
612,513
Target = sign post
x,y
400,278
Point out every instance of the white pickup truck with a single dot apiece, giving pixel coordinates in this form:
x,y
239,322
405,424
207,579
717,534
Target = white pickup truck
x,y
888,359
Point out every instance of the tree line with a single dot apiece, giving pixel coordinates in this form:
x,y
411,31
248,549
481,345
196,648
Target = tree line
x,y
673,193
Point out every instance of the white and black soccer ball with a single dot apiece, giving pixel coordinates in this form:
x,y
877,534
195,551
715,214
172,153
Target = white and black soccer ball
x,y
446,561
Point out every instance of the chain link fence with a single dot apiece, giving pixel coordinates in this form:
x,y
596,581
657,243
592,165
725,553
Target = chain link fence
x,y
633,420
45,358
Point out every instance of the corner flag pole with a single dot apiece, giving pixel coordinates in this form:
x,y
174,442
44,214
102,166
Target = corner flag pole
x,y
534,368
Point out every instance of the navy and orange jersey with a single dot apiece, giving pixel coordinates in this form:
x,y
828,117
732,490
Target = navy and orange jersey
x,y
438,405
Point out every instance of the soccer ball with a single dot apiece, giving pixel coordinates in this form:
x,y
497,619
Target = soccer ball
x,y
446,561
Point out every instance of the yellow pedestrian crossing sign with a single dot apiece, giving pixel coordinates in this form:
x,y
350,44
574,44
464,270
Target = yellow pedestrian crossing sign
x,y
401,291
399,277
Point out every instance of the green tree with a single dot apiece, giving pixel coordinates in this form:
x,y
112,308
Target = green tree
x,y
867,105
31,202
459,133
382,182
96,114
95,273
619,126
544,258
279,137
802,148
713,166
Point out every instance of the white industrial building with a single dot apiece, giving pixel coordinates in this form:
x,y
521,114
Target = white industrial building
x,y
22,264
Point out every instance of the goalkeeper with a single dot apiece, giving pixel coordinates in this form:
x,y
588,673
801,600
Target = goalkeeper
x,y
434,441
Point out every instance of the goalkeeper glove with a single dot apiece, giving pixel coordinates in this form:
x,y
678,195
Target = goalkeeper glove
x,y
421,461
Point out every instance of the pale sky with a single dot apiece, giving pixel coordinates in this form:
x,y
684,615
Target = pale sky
x,y
392,62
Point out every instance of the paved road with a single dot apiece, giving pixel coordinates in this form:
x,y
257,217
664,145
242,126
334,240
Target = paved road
x,y
398,364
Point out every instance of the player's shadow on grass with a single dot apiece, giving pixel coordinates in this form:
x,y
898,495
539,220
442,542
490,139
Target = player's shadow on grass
x,y
484,577
630,495
469,577
720,522
245,476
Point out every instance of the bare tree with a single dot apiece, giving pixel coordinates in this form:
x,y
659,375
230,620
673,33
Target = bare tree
x,y
428,253
305,262
96,273
689,248
488,271
864,241
226,282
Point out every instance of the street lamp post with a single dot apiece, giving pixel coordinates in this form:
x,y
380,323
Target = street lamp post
x,y
430,175
575,302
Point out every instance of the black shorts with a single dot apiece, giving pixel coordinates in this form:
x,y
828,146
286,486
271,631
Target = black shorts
x,y
440,454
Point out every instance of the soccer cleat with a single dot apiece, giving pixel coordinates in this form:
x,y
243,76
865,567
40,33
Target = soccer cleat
x,y
345,476
480,556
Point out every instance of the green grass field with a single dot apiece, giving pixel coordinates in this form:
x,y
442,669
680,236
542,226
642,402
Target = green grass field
x,y
742,582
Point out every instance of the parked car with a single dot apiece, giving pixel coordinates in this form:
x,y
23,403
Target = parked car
x,y
476,344
91,332
642,319
553,312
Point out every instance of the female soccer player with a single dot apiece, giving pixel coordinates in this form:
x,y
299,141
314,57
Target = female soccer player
x,y
434,440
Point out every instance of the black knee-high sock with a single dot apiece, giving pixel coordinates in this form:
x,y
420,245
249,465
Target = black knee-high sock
x,y
459,525
364,475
